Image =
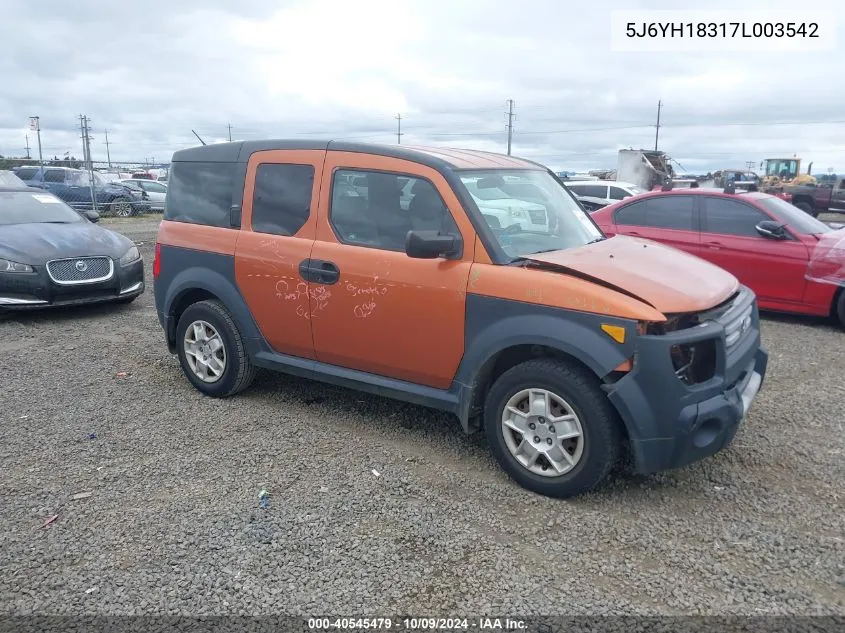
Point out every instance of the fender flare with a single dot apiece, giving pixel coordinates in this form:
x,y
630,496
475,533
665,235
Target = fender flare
x,y
570,335
211,281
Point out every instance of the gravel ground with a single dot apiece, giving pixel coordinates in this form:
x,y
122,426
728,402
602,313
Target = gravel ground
x,y
173,523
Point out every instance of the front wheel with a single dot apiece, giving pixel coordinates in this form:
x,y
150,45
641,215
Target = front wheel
x,y
839,308
121,207
211,350
552,428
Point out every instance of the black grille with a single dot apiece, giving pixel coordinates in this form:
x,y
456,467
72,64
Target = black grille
x,y
80,269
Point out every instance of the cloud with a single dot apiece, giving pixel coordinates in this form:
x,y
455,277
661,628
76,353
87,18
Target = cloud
x,y
334,69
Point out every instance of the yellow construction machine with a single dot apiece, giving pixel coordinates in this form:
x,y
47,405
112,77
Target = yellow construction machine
x,y
785,171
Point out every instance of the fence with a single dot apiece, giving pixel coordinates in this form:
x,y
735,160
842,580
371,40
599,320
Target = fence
x,y
111,189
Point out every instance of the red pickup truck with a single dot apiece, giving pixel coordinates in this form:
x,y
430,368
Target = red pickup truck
x,y
815,199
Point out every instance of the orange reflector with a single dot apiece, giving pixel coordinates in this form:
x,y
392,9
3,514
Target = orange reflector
x,y
628,365
616,332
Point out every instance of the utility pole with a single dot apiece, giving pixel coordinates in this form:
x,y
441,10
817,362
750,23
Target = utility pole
x,y
35,124
657,127
230,132
86,154
27,147
398,118
510,124
108,154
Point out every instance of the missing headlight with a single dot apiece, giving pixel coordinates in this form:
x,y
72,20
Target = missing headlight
x,y
694,362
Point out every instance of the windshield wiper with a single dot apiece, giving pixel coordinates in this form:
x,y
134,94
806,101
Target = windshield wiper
x,y
601,238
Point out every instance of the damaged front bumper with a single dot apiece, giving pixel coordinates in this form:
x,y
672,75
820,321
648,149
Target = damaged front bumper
x,y
677,415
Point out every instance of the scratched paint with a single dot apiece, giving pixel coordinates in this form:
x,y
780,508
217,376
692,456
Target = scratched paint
x,y
303,297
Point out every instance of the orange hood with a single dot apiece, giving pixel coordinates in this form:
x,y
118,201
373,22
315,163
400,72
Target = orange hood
x,y
666,278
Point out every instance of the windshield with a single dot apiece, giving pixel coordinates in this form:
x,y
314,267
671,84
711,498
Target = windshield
x,y
9,179
782,168
531,212
797,219
24,207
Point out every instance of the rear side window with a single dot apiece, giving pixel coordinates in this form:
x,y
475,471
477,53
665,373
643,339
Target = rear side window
x,y
618,194
281,203
54,175
666,212
595,191
200,193
26,173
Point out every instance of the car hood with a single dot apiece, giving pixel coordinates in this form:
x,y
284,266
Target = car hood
x,y
37,243
666,278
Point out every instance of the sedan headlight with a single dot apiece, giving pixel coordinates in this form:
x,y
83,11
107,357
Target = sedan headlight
x,y
8,266
130,256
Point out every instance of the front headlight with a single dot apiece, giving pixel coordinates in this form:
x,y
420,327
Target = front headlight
x,y
131,255
8,266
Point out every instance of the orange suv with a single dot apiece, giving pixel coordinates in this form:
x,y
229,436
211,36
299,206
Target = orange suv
x,y
461,280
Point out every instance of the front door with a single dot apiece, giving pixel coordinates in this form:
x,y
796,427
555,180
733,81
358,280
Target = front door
x,y
773,269
387,313
278,224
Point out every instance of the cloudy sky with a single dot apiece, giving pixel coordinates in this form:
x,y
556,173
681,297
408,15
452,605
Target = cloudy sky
x,y
149,72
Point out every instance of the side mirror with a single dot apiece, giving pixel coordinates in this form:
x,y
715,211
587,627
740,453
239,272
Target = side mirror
x,y
772,230
93,216
431,244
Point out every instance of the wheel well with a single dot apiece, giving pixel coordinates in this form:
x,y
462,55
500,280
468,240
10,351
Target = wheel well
x,y
507,358
181,303
803,198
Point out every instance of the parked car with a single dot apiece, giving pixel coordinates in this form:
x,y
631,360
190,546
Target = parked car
x,y
53,255
501,209
156,191
74,187
565,346
792,261
815,199
597,194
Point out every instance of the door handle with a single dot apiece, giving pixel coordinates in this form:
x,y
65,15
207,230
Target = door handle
x,y
634,233
319,271
714,245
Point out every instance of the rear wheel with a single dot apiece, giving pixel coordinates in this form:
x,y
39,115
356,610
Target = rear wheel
x,y
806,208
211,350
551,427
121,207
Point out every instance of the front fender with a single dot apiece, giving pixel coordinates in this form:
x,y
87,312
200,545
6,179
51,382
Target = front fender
x,y
494,325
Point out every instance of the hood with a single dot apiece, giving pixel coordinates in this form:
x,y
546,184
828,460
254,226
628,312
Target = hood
x,y
666,278
37,243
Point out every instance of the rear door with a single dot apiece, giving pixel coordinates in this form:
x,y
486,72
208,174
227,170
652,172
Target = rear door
x,y
278,224
671,219
773,269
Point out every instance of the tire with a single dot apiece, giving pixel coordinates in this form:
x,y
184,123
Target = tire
x,y
600,427
121,207
237,372
806,208
839,309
